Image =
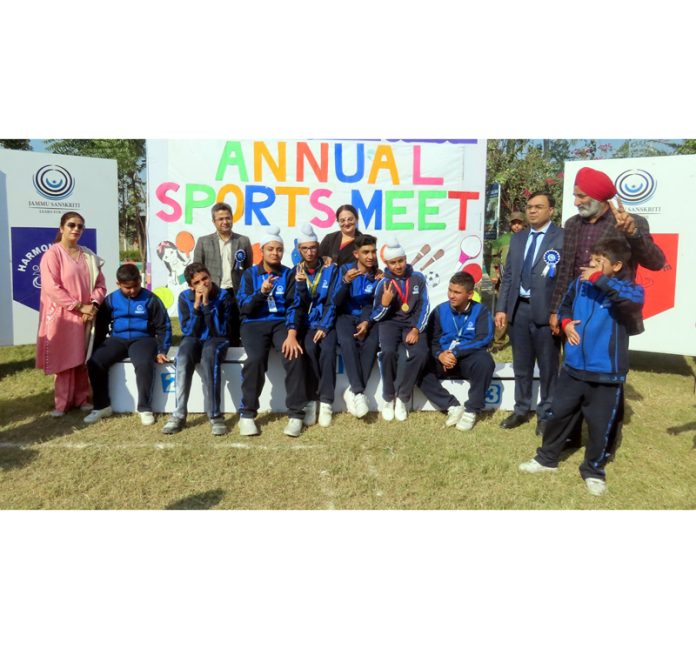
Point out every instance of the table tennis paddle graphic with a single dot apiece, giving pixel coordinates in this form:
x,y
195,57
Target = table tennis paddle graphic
x,y
660,285
469,248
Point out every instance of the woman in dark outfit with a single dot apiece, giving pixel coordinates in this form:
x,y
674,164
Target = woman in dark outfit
x,y
338,247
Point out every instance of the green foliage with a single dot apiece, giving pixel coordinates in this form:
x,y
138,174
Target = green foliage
x,y
19,145
130,158
687,147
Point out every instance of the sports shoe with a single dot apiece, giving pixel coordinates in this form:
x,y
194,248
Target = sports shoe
x,y
86,407
361,406
466,421
147,418
173,425
310,417
217,426
401,410
325,414
96,415
534,467
57,413
453,415
595,486
293,427
351,400
388,411
247,427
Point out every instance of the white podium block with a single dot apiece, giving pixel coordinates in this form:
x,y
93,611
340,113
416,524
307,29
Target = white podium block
x,y
123,391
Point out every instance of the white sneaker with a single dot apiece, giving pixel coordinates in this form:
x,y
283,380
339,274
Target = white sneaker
x,y
247,427
401,410
96,415
147,418
466,421
310,417
595,486
453,415
534,467
293,427
173,425
350,400
217,426
388,411
325,414
57,413
361,406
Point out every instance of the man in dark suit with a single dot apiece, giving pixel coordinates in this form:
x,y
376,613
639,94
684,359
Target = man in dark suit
x,y
524,302
224,253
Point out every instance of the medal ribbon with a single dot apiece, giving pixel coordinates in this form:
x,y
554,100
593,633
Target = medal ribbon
x,y
403,295
312,286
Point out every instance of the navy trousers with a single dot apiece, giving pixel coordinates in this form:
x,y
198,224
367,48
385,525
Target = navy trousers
x,y
321,366
477,368
257,339
600,405
210,355
532,342
358,355
400,371
142,352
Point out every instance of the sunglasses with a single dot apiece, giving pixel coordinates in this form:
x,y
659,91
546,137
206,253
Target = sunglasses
x,y
72,225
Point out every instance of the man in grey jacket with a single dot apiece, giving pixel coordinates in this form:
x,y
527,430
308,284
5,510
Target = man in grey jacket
x,y
224,253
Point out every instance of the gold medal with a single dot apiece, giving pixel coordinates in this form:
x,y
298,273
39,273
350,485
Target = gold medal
x,y
404,308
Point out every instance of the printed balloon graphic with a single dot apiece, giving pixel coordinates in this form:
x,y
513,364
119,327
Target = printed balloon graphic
x,y
185,242
475,271
165,294
256,251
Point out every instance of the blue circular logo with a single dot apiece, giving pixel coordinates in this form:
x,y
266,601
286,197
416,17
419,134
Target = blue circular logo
x,y
552,257
635,186
54,182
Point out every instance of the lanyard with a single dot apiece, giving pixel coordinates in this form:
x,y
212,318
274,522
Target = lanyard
x,y
312,286
460,330
403,295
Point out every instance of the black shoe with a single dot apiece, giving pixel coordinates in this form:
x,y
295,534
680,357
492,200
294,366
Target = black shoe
x,y
514,420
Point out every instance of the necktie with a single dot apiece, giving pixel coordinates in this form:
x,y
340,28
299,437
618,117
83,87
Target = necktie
x,y
526,276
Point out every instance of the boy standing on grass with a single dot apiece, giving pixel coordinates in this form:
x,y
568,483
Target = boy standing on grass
x,y
270,308
139,328
357,338
205,316
315,282
460,331
595,313
401,307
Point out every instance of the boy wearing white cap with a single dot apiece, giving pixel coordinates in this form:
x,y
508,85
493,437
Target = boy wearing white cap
x,y
271,311
401,307
315,283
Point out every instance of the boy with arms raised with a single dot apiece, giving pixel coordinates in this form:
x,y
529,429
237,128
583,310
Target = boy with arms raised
x,y
270,310
357,337
315,283
596,315
460,331
205,317
138,326
401,307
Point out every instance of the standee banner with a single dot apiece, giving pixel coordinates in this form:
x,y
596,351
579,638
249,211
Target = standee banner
x,y
35,190
662,190
430,195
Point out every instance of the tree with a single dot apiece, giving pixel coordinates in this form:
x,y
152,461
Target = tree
x,y
19,145
130,159
687,147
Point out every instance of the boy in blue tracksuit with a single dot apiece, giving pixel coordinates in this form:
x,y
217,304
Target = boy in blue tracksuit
x,y
205,317
315,283
460,331
138,326
594,314
357,337
271,314
401,308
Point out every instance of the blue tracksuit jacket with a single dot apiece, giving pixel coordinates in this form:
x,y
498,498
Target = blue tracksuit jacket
x,y
254,306
472,329
320,311
209,321
417,299
357,297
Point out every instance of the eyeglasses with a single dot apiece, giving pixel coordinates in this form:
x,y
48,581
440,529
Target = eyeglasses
x,y
72,225
534,208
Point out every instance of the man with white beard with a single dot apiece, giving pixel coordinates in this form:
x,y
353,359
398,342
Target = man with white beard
x,y
598,219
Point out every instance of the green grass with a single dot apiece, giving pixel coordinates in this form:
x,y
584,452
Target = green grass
x,y
356,464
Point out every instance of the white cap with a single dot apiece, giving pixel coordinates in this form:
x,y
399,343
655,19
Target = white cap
x,y
271,233
393,249
307,235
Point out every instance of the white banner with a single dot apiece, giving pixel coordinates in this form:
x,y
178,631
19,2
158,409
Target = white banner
x,y
662,190
428,194
35,190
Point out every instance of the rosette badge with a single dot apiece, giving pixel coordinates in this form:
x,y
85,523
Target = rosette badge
x,y
551,259
54,182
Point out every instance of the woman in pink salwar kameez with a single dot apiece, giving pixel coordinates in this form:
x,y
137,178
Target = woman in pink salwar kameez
x,y
72,288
